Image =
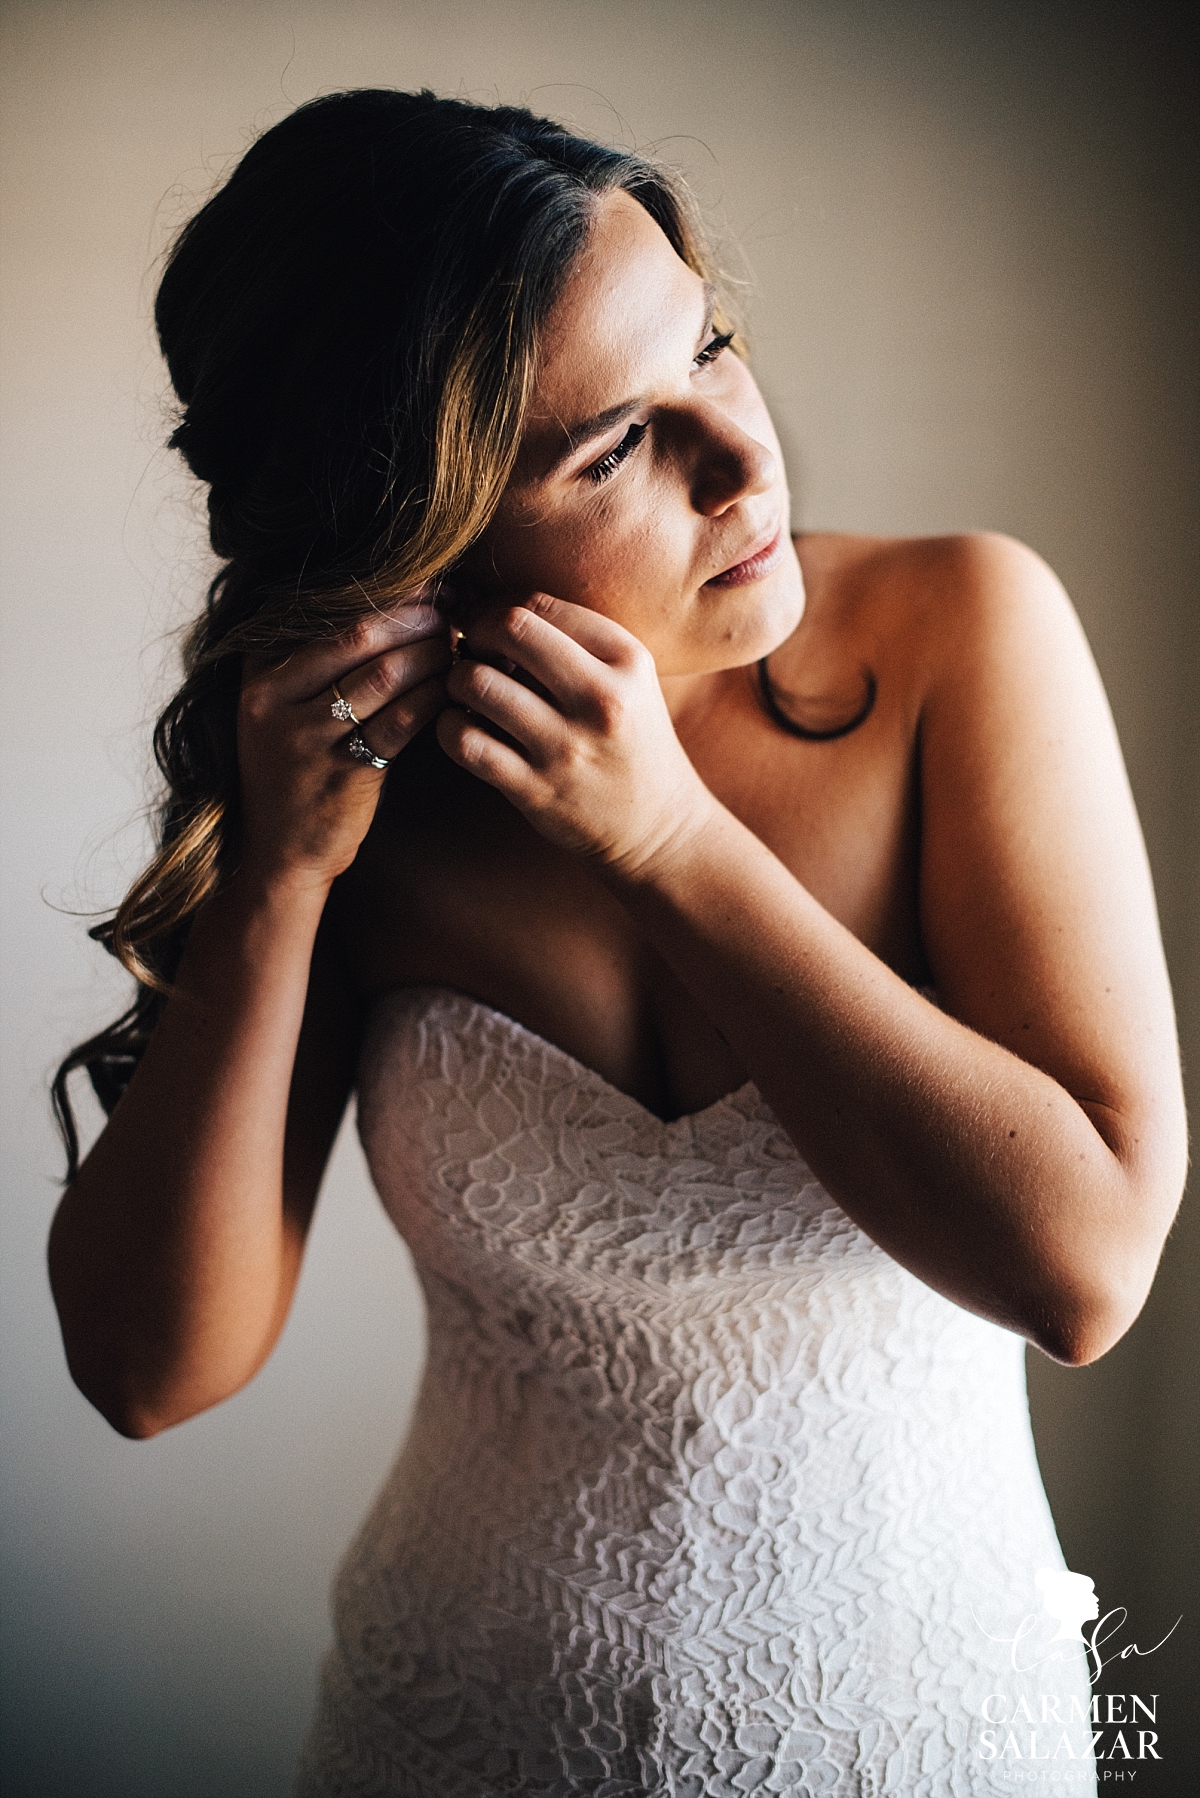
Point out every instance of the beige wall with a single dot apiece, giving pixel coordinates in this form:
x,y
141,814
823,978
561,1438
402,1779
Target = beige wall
x,y
972,245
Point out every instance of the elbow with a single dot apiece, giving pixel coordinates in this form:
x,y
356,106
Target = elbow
x,y
1076,1342
135,1415
123,1410
94,1361
135,1424
1088,1290
1079,1324
135,1375
140,1403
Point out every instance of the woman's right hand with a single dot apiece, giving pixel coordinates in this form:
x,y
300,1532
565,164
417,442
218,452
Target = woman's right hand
x,y
176,1248
307,803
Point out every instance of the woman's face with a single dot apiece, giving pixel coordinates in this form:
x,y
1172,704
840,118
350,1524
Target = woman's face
x,y
649,485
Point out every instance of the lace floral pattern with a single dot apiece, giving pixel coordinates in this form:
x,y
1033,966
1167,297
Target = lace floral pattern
x,y
704,1494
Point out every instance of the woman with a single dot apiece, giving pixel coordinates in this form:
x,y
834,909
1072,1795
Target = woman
x,y
748,969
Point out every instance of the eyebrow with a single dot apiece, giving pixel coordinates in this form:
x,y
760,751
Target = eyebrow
x,y
578,434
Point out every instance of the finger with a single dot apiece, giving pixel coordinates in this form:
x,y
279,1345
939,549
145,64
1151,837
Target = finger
x,y
565,661
376,684
476,750
309,668
601,637
394,727
505,702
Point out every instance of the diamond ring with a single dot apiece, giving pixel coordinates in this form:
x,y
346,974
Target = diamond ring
x,y
362,752
341,708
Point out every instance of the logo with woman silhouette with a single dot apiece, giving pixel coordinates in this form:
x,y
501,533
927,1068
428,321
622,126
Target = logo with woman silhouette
x,y
1070,1598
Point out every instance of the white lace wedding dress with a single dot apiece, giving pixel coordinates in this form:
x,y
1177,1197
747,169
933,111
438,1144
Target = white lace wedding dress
x,y
704,1494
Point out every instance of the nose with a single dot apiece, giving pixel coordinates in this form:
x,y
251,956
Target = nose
x,y
728,464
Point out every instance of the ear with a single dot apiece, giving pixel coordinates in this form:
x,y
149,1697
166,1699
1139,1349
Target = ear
x,y
470,587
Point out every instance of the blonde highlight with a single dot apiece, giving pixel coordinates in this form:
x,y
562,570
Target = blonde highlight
x,y
351,325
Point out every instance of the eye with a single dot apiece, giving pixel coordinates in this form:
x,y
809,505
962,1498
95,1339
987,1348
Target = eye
x,y
608,465
713,349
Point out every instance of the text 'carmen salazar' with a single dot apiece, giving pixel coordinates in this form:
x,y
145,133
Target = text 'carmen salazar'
x,y
1117,1723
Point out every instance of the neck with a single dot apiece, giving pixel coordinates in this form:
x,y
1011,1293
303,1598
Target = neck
x,y
689,696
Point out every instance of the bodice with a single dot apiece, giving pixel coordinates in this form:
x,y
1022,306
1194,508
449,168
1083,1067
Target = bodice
x,y
704,1493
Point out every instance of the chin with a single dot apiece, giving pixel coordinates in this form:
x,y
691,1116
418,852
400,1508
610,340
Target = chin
x,y
738,626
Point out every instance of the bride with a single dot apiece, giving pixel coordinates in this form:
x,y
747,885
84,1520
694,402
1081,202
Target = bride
x,y
742,949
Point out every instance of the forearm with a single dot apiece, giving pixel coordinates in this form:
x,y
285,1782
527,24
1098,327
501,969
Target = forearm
x,y
1035,1188
172,1256
977,1171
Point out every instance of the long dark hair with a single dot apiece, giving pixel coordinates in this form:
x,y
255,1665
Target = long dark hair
x,y
350,324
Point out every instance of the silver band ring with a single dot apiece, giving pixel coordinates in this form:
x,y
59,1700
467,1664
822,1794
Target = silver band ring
x,y
341,708
362,752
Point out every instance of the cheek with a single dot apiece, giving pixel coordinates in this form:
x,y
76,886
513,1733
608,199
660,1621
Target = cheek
x,y
620,558
633,564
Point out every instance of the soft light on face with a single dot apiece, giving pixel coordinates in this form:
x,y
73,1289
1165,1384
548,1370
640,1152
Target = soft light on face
x,y
650,485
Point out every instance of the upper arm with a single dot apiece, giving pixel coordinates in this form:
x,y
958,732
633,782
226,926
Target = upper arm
x,y
1036,902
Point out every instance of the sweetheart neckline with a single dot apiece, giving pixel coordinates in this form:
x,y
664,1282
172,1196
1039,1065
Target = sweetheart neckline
x,y
589,1074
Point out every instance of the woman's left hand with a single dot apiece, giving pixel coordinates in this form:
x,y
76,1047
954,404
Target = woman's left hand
x,y
591,756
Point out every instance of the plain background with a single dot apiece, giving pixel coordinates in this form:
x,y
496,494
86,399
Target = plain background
x,y
970,236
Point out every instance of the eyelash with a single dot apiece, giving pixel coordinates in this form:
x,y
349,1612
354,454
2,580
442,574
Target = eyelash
x,y
608,465
712,350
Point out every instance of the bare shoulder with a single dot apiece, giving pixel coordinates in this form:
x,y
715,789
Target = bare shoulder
x,y
917,605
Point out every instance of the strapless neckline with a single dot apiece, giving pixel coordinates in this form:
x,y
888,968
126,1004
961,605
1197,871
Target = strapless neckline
x,y
531,1042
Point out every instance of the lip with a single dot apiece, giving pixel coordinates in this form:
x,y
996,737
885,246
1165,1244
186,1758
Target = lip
x,y
761,561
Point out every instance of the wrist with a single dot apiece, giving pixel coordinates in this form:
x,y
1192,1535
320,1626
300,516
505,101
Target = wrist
x,y
256,932
258,914
666,853
294,890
